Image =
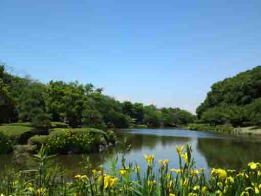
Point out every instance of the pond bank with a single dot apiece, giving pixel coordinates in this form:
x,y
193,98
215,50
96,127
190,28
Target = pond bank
x,y
210,150
183,179
227,129
23,137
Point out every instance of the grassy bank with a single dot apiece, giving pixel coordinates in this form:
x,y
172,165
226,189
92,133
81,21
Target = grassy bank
x,y
58,140
254,130
168,180
228,129
15,130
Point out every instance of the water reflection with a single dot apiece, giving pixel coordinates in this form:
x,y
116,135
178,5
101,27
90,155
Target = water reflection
x,y
209,150
230,153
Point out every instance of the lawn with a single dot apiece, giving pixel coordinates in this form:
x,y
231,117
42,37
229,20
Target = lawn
x,y
15,130
59,131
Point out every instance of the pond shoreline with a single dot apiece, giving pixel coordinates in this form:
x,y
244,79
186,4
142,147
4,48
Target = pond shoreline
x,y
226,129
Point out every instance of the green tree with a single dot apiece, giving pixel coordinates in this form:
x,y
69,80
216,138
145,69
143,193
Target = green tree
x,y
42,121
253,111
152,116
65,102
176,116
135,111
229,99
7,105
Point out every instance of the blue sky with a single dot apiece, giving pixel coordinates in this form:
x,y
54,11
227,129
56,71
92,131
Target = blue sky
x,y
165,52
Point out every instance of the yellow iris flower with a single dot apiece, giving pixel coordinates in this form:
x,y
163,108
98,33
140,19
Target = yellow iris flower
x,y
77,176
221,173
180,149
123,172
252,165
163,162
151,183
185,157
149,159
109,181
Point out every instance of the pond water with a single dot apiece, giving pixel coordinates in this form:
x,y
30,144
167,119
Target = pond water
x,y
209,150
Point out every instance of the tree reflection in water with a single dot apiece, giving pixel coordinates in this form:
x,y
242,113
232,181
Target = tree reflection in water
x,y
229,153
209,150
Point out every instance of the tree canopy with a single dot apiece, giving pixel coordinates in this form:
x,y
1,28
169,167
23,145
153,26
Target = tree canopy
x,y
27,100
235,100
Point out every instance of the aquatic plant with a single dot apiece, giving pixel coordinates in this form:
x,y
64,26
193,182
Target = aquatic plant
x,y
160,178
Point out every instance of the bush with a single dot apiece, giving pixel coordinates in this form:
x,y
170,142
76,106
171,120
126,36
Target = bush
x,y
224,128
226,114
200,127
140,126
6,144
38,140
111,136
118,120
59,125
205,127
76,140
42,121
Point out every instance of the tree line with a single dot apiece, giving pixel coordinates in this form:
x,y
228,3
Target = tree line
x,y
26,100
235,100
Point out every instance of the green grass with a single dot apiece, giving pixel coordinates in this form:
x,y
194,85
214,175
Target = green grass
x,y
206,127
59,131
14,131
22,124
228,129
139,126
248,130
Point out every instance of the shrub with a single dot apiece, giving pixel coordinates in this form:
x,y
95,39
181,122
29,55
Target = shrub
x,y
59,125
42,121
38,140
140,126
77,140
205,127
6,144
111,136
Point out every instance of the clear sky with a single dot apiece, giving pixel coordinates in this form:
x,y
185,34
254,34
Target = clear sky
x,y
165,52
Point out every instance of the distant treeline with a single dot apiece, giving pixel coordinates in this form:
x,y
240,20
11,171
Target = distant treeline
x,y
26,100
235,100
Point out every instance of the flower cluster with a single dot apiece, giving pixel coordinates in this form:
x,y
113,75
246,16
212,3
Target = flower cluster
x,y
155,180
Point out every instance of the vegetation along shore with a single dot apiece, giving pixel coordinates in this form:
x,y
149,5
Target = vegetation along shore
x,y
161,178
76,117
33,112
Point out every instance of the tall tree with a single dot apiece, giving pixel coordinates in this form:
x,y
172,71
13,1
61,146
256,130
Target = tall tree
x,y
7,105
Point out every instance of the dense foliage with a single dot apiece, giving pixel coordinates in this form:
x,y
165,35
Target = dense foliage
x,y
26,100
235,100
6,144
130,180
77,141
7,105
